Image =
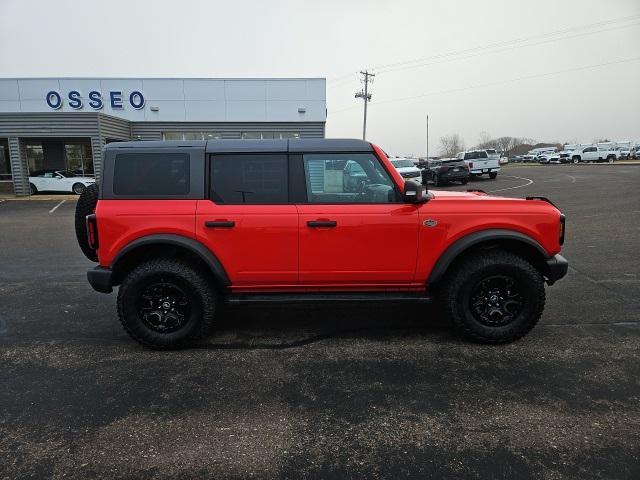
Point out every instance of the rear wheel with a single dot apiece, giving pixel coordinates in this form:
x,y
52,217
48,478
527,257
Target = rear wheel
x,y
611,159
465,181
493,175
33,189
78,188
497,297
166,303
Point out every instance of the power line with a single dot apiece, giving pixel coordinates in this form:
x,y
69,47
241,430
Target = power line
x,y
504,49
388,66
506,44
470,87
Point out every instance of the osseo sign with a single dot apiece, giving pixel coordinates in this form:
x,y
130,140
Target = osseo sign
x,y
95,100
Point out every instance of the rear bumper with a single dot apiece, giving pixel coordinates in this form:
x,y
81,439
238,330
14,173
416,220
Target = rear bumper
x,y
557,267
100,279
480,171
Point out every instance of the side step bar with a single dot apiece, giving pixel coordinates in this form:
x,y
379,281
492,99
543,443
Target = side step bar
x,y
356,297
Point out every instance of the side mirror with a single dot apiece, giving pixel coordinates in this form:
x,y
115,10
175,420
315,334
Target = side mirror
x,y
414,193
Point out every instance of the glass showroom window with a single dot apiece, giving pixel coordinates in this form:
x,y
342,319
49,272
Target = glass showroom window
x,y
35,156
5,163
269,135
191,135
79,158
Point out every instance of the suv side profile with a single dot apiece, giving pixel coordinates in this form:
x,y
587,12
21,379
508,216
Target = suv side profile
x,y
183,226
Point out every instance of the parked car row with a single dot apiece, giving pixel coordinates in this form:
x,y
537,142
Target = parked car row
x,y
440,171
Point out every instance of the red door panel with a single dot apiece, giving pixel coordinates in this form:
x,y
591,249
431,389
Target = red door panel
x,y
259,249
369,244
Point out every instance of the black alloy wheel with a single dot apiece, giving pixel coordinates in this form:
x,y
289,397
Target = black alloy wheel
x,y
163,307
496,301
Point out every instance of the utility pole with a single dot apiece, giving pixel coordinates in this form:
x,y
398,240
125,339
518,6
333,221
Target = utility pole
x,y
366,96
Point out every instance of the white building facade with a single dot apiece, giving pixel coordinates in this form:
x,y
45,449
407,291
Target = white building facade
x,y
63,123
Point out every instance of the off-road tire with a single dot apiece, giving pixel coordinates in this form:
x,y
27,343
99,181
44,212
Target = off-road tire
x,y
86,206
198,288
459,283
493,175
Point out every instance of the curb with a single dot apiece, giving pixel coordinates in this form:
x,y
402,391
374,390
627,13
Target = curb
x,y
38,198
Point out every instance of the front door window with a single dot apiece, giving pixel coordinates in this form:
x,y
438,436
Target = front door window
x,y
347,178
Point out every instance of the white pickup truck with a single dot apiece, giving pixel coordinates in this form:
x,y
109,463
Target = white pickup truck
x,y
480,162
593,154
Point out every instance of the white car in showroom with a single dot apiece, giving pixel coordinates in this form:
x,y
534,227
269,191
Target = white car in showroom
x,y
58,181
407,169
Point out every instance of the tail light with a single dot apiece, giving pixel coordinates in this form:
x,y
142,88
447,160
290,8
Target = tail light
x,y
92,231
562,228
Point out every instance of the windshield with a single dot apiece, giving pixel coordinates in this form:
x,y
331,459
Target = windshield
x,y
475,155
402,163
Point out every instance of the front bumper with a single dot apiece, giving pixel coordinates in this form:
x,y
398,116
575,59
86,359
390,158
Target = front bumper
x,y
100,279
557,267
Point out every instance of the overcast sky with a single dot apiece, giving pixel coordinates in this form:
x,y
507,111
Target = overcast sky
x,y
553,70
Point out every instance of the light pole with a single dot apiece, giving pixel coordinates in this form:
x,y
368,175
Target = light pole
x,y
427,137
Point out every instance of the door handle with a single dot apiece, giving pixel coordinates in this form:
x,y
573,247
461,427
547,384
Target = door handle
x,y
220,224
322,223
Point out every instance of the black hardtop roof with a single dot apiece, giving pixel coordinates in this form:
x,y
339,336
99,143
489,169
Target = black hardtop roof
x,y
245,146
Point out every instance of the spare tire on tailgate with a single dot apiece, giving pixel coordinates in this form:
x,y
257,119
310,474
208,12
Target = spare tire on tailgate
x,y
86,206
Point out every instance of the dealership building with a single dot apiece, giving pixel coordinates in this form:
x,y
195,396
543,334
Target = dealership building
x,y
64,123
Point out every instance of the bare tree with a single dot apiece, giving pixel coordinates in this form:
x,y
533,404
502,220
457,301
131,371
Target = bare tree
x,y
451,144
484,141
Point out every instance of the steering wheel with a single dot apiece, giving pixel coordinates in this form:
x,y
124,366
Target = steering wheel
x,y
369,190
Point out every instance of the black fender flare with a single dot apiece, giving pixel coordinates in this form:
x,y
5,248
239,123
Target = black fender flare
x,y
194,246
462,244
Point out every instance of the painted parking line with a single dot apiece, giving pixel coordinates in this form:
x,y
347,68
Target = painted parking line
x,y
56,207
528,180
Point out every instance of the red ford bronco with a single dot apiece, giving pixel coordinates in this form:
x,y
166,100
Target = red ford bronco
x,y
181,226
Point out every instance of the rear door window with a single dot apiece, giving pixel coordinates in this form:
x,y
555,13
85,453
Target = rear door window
x,y
151,174
249,179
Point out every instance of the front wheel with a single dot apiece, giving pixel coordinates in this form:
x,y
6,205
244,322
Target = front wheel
x,y
493,175
166,303
465,181
576,160
496,297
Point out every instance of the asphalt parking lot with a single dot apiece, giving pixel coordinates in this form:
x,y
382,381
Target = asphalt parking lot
x,y
294,392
